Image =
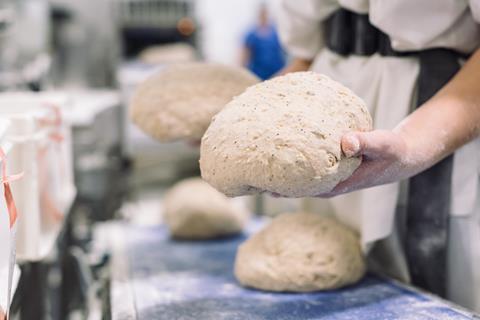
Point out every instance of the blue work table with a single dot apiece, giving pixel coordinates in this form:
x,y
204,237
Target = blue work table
x,y
160,278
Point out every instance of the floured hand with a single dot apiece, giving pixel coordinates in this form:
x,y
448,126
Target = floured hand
x,y
436,129
385,159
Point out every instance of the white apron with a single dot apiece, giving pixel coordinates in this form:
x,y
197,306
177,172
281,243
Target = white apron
x,y
388,86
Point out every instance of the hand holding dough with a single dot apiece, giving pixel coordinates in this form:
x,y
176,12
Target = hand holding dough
x,y
179,101
195,210
283,136
300,252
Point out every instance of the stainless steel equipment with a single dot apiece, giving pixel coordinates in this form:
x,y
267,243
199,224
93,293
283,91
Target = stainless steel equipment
x,y
143,23
84,43
24,44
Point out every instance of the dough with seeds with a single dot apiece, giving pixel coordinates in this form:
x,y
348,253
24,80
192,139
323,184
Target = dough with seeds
x,y
179,101
283,136
300,252
168,54
195,210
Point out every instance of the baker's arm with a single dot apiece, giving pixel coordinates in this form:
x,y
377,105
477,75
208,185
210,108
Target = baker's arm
x,y
296,65
443,124
300,30
245,56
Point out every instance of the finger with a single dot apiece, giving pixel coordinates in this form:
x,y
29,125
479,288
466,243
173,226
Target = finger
x,y
374,144
350,144
352,183
327,195
194,143
275,195
361,178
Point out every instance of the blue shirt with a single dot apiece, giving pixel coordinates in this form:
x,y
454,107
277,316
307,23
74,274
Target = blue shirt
x,y
266,54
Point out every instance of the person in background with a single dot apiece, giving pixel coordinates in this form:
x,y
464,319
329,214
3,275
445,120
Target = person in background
x,y
262,53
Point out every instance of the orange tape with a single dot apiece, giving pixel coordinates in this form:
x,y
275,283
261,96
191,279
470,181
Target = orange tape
x,y
47,202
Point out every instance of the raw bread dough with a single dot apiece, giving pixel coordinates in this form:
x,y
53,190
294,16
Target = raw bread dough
x,y
283,136
195,210
300,252
168,54
179,101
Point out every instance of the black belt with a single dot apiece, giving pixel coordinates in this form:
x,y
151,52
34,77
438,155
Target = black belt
x,y
347,32
428,208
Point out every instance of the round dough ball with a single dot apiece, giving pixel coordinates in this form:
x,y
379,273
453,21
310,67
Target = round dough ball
x,y
283,136
300,252
168,53
179,101
195,210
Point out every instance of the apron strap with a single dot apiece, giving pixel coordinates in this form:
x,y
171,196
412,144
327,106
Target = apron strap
x,y
428,207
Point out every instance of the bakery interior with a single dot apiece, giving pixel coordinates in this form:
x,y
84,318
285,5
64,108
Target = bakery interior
x,y
104,110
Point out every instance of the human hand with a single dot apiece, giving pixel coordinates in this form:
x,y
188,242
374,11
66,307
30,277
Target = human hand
x,y
295,65
386,158
433,131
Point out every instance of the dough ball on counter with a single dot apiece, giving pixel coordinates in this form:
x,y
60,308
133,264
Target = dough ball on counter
x,y
195,210
180,100
283,136
300,252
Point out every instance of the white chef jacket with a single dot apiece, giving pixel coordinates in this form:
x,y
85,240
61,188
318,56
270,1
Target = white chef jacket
x,y
388,85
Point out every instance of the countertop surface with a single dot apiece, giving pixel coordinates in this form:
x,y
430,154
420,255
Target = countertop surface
x,y
160,278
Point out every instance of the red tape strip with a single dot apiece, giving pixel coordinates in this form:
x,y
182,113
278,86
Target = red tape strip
x,y
11,207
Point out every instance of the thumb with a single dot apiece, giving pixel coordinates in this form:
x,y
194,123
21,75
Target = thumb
x,y
372,144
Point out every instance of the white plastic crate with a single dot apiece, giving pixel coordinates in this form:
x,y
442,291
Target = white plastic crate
x,y
42,151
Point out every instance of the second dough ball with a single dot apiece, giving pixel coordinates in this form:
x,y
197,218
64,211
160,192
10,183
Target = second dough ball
x,y
179,101
300,252
283,136
195,210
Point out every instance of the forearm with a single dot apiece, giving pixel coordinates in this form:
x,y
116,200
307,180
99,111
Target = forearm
x,y
296,65
445,122
245,56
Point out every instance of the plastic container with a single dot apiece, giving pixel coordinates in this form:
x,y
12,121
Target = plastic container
x,y
41,149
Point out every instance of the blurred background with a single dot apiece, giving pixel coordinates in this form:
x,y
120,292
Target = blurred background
x,y
84,58
112,45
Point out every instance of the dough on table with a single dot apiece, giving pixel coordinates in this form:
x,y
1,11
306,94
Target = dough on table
x,y
283,136
180,100
195,210
300,252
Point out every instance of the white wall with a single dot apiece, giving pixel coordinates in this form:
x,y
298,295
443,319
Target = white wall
x,y
223,26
